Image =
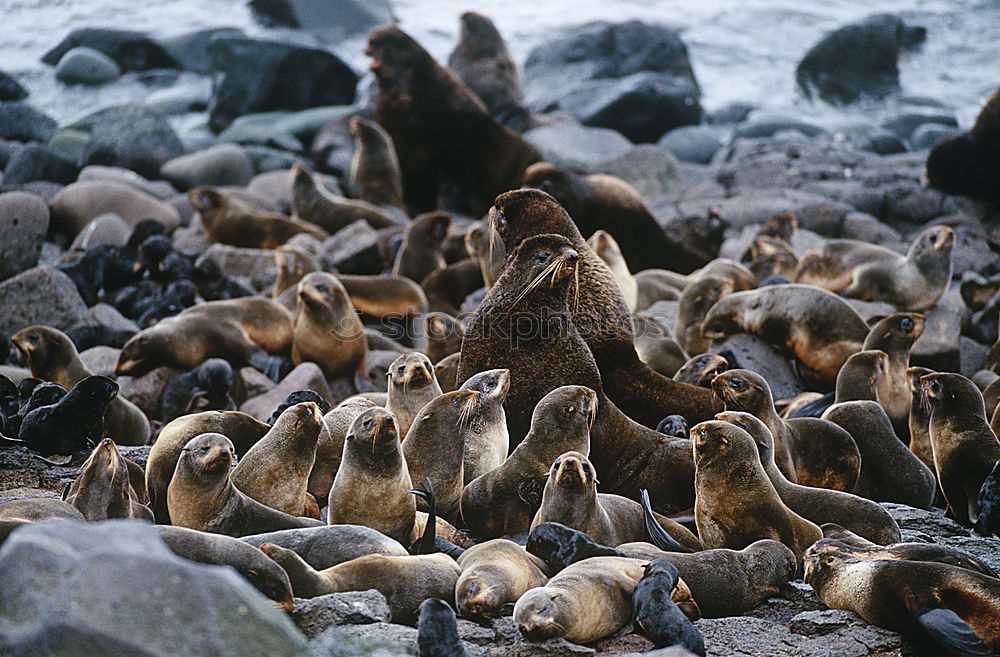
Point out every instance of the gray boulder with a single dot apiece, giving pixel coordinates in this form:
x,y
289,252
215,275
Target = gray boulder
x,y
191,49
225,164
38,162
104,229
314,615
22,122
132,137
651,170
334,20
83,65
10,88
305,376
748,352
41,295
131,50
692,143
576,147
354,250
24,220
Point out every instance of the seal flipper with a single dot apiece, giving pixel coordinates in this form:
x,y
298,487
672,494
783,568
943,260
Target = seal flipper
x,y
426,543
952,634
274,367
437,630
814,408
657,534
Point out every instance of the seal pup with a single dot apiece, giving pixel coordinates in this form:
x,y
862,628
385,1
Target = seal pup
x,y
201,494
444,336
412,385
966,165
205,388
35,509
657,615
818,505
375,174
228,220
701,369
421,254
103,489
495,573
53,357
487,441
895,336
316,205
862,549
736,504
965,448
696,300
607,249
327,331
60,429
437,630
485,247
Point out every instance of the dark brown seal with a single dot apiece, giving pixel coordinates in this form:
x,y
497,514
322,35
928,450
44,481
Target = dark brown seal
x,y
103,489
319,207
375,175
895,336
420,253
967,165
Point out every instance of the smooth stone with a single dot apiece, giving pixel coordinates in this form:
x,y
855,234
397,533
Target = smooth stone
x,y
692,143
22,122
748,352
103,229
34,162
101,360
651,170
305,376
132,50
83,65
24,220
132,137
41,295
576,147
225,164
108,315
10,88
160,189
75,205
354,249
238,261
332,20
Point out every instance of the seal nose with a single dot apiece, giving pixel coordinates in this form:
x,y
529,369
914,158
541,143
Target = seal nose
x,y
570,255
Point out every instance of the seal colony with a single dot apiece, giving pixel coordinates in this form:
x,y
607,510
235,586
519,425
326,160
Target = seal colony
x,y
438,377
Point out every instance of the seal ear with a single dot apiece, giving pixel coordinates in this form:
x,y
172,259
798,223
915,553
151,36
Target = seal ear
x,y
948,630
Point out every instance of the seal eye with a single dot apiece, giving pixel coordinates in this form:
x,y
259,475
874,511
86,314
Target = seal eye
x,y
935,387
402,368
557,464
491,383
906,325
703,361
322,288
501,223
736,383
543,257
367,424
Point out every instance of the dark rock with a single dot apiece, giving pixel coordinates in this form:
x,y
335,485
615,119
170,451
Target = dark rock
x,y
266,159
225,164
11,89
131,137
632,77
306,376
83,65
730,114
986,550
371,640
41,295
191,50
651,170
23,473
237,261
314,615
37,162
22,122
67,582
748,352
932,523
325,547
858,60
882,142
132,51
179,100
929,135
354,250
333,20
768,127
108,315
576,147
938,347
262,76
972,356
24,220
694,143
905,124
145,391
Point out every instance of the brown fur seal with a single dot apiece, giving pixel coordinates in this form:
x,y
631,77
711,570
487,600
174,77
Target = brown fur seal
x,y
695,302
736,502
816,326
965,448
657,285
862,549
420,253
275,471
570,497
375,175
656,346
412,385
404,581
40,508
607,249
481,60
228,220
701,369
889,471
585,602
865,271
860,376
103,489
444,335
330,445
242,429
201,495
435,444
966,165
385,297
244,331
895,336
818,505
372,484
315,205
487,442
524,325
808,451
504,501
446,372
292,264
604,201
920,417
772,256
326,329
448,288
494,574
953,609
448,144
53,357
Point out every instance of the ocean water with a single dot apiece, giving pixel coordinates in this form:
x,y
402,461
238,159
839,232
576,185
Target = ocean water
x,y
741,50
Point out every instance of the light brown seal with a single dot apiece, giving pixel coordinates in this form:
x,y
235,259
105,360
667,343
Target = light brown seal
x,y
375,175
228,220
607,249
326,329
487,442
420,253
895,336
494,574
412,385
321,208
103,489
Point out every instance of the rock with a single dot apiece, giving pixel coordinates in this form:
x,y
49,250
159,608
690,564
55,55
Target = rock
x,y
932,523
275,185
225,164
356,641
862,226
109,316
746,351
68,582
765,128
972,356
37,162
911,203
75,205
41,295
307,243
237,261
261,130
266,159
83,65
10,88
132,137
986,550
929,135
179,100
673,651
22,473
730,114
354,249
256,382
882,142
905,124
103,229
159,189
101,360
191,49
261,76
576,147
145,391
650,169
325,547
306,376
69,144
333,20
632,77
24,220
132,51
938,347
858,60
744,636
22,122
314,615
692,143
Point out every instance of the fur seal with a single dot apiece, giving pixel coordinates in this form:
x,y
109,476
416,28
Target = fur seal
x,y
228,220
487,442
657,285
420,253
202,496
319,207
330,445
449,288
446,372
656,347
952,608
701,369
58,430
375,176
405,581
448,144
444,335
385,298
372,484
920,417
931,552
657,615
915,281
816,326
242,429
966,165
412,385
599,314
504,500
103,489
736,504
965,448
695,302
275,471
485,247
570,498
205,388
607,249
808,451
494,574
895,336
437,630
326,329
37,509
53,357
818,505
889,471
